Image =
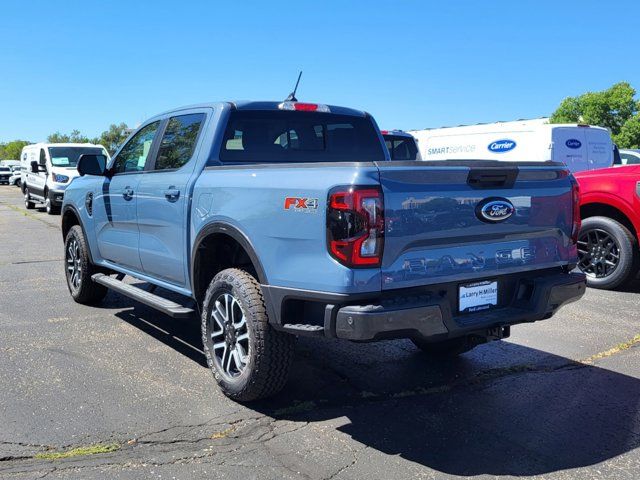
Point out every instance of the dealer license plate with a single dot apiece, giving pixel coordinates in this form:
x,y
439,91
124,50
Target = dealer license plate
x,y
478,296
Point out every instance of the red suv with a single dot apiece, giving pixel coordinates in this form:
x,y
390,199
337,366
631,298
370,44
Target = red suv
x,y
610,211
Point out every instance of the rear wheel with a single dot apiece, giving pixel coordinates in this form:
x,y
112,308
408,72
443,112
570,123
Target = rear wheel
x,y
28,203
607,253
447,348
78,269
249,359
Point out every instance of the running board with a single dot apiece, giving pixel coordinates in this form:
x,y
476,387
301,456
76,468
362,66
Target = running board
x,y
167,307
304,330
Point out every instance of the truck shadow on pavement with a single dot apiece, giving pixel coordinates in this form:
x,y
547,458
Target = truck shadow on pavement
x,y
502,409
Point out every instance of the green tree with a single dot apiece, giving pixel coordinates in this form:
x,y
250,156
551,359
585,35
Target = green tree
x,y
611,108
74,137
58,137
629,136
12,150
112,138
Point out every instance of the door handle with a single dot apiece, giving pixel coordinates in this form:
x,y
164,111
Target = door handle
x,y
127,193
172,194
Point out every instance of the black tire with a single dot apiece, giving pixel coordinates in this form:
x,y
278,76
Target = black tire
x,y
29,205
76,254
49,208
268,353
595,256
446,348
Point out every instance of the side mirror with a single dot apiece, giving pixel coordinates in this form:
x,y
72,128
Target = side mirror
x,y
90,164
35,166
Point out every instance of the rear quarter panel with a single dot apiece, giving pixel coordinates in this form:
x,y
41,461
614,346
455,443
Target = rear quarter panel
x,y
617,187
290,243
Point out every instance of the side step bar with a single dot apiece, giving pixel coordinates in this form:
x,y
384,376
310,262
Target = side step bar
x,y
167,307
304,330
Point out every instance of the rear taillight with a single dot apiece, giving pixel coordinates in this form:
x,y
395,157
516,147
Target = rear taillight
x,y
575,197
355,226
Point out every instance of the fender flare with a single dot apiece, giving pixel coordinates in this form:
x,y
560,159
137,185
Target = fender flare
x,y
74,210
233,232
613,201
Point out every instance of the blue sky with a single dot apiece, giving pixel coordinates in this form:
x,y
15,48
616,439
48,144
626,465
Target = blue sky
x,y
412,64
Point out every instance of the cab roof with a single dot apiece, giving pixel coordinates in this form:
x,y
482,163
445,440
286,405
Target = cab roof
x,y
263,105
46,144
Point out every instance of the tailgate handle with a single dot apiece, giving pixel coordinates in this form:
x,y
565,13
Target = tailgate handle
x,y
492,177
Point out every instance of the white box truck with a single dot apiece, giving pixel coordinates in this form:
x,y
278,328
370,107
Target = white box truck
x,y
580,147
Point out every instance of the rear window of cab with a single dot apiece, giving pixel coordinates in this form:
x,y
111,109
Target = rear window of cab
x,y
274,136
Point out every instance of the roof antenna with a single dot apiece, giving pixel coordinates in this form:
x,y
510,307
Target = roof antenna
x,y
292,95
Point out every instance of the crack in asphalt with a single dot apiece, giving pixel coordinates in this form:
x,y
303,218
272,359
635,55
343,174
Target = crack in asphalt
x,y
25,262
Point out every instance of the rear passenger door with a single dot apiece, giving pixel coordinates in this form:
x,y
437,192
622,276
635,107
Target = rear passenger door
x,y
163,198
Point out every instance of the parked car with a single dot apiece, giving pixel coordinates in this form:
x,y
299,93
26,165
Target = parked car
x,y
628,157
16,176
579,147
401,145
48,168
5,175
273,218
610,211
9,163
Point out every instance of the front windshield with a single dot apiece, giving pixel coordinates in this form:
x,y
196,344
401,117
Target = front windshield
x,y
68,156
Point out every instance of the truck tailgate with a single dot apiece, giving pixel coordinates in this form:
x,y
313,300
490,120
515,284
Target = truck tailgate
x,y
436,231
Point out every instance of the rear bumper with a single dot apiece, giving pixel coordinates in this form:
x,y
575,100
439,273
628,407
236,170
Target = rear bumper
x,y
428,314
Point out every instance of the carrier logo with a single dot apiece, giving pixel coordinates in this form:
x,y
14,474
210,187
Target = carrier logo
x,y
502,146
573,143
494,210
301,204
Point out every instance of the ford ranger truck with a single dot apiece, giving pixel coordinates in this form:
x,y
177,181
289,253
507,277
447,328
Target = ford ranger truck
x,y
277,220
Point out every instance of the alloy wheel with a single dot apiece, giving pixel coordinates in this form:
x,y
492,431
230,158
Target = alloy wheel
x,y
598,253
229,336
74,266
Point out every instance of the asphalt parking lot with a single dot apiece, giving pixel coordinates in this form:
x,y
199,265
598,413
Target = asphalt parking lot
x,y
559,399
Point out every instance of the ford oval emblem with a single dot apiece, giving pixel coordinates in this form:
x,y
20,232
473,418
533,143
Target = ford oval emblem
x,y
573,143
502,146
495,210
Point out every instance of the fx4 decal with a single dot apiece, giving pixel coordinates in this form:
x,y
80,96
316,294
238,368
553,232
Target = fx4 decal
x,y
301,204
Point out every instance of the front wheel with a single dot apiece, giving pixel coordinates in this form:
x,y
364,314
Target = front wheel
x,y
78,269
28,203
50,209
249,359
607,253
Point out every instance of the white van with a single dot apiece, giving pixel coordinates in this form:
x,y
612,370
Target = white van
x,y
47,170
580,147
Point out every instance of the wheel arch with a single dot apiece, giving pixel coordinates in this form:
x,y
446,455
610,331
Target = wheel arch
x,y
598,209
207,257
70,218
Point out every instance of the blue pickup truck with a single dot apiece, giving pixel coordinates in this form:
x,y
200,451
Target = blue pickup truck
x,y
273,220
